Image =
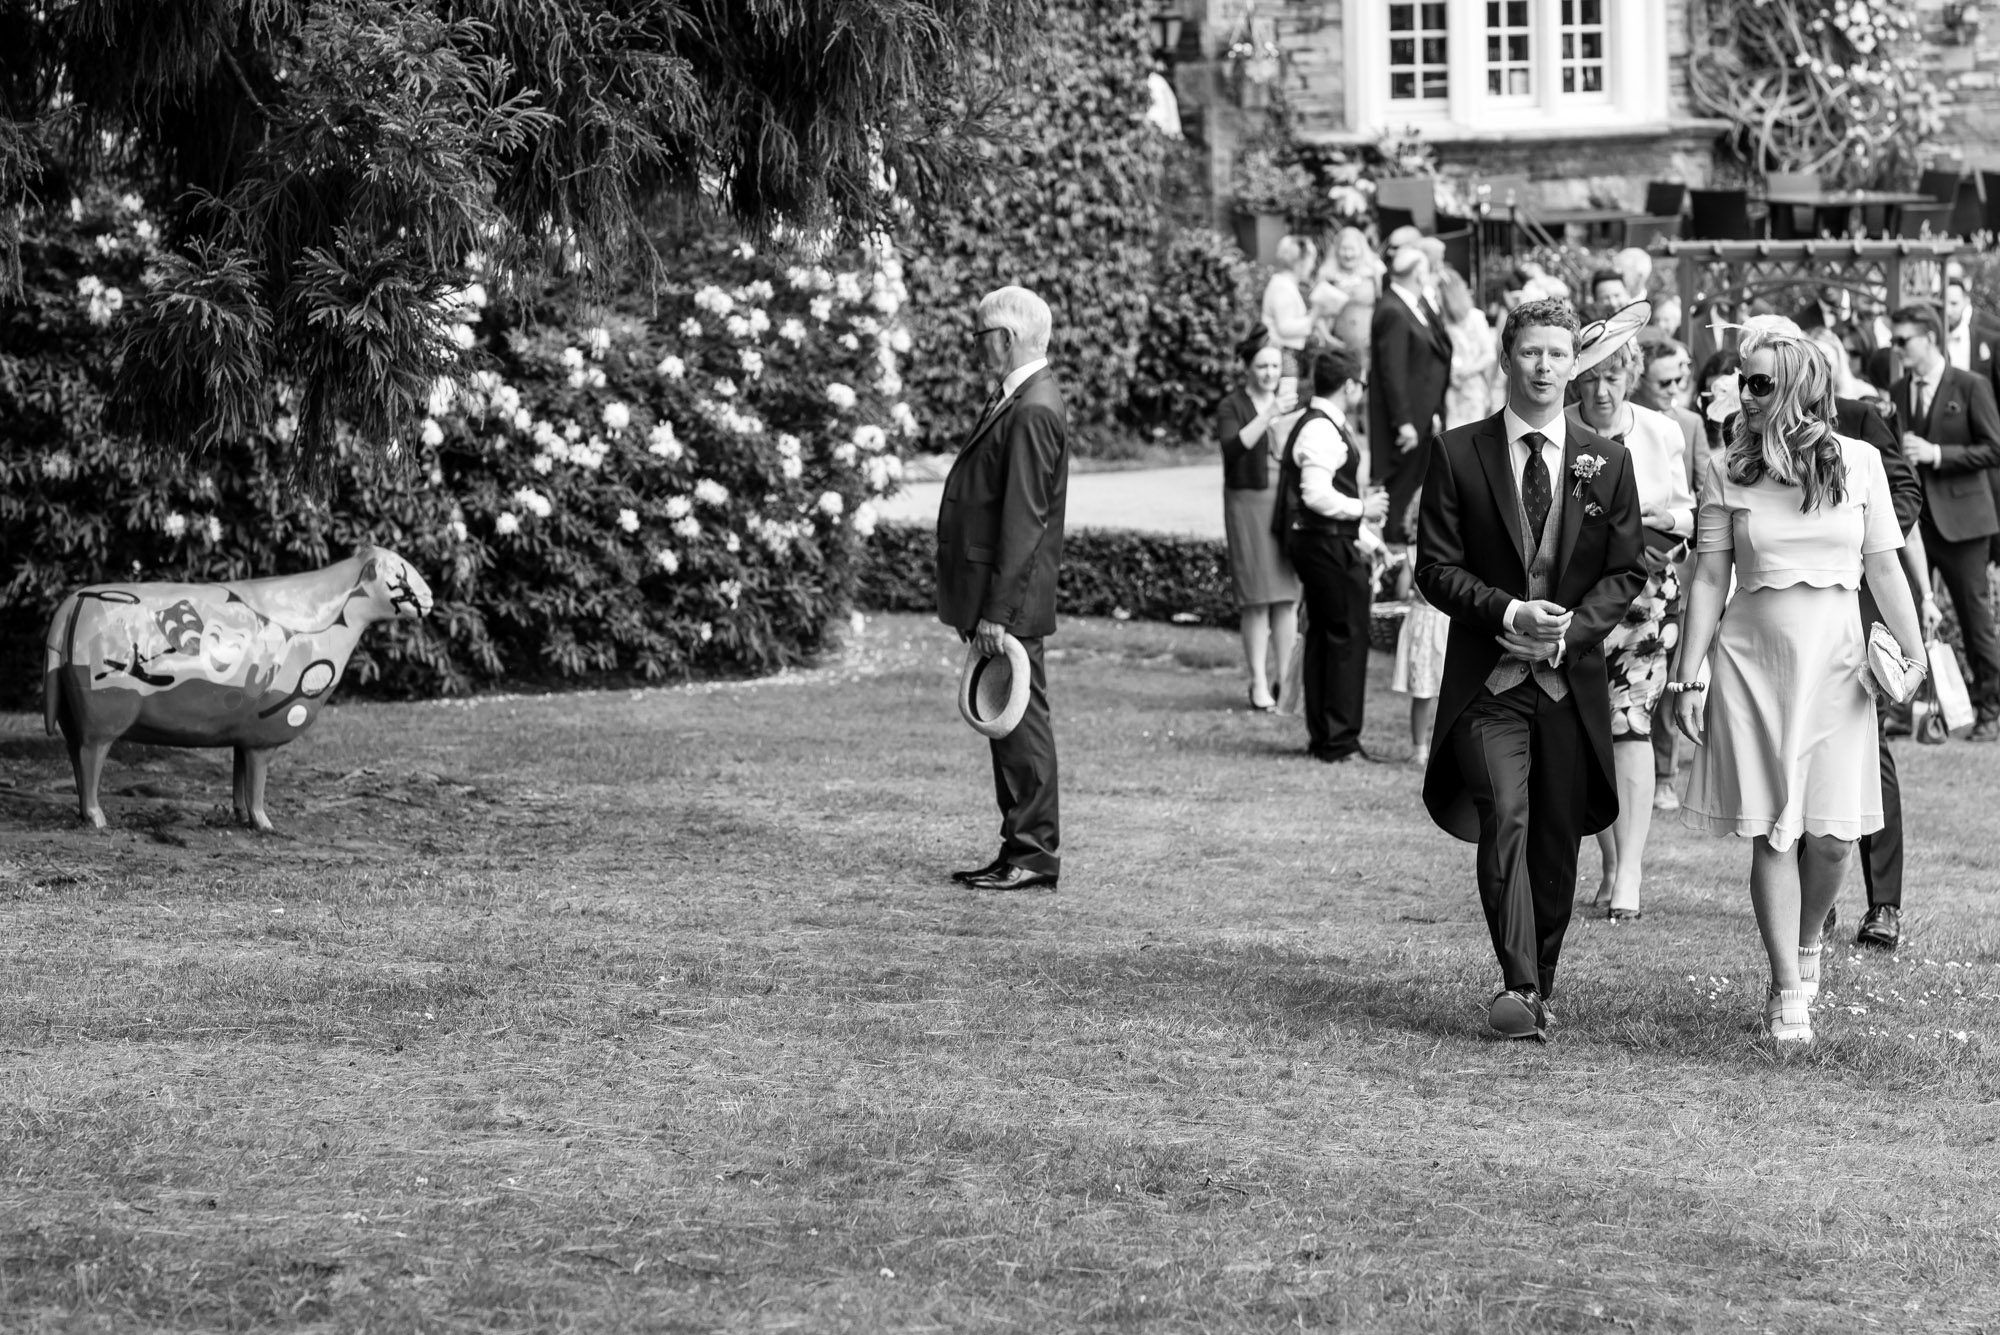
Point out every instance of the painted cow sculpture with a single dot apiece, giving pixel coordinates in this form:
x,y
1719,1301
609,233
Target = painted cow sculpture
x,y
246,664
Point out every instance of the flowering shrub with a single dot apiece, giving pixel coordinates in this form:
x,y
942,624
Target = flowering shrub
x,y
677,485
1204,299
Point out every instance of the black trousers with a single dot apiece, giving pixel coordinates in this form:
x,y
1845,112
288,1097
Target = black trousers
x,y
1963,568
1024,778
1526,762
1882,851
1335,577
1401,474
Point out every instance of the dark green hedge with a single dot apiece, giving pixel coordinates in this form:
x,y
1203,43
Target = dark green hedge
x,y
1106,573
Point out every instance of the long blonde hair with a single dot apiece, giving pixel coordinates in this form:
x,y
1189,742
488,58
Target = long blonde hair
x,y
1797,447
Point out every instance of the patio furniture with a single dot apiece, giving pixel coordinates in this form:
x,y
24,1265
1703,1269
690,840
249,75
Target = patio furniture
x,y
1791,221
1666,199
1415,194
1643,231
1917,221
1834,210
1989,182
1720,215
1940,183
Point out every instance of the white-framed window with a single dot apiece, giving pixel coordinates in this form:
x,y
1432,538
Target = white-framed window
x,y
1479,68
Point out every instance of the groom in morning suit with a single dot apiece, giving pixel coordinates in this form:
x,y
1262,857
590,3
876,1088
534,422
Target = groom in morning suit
x,y
1529,540
1000,534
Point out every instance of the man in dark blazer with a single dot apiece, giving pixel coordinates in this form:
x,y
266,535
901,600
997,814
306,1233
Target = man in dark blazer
x,y
1950,429
1000,535
1972,343
1409,369
1530,542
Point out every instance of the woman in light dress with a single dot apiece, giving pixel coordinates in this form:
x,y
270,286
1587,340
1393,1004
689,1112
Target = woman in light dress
x,y
1284,314
1784,726
1637,649
1343,298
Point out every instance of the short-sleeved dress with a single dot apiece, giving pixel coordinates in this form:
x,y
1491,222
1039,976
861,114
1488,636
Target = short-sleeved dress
x,y
1789,737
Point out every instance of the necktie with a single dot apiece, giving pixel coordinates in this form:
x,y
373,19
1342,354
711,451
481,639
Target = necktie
x,y
992,402
1535,494
1921,408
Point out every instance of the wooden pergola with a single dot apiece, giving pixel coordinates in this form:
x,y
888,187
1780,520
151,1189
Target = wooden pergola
x,y
1714,274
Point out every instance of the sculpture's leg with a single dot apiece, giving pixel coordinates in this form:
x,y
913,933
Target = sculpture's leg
x,y
239,791
88,760
256,765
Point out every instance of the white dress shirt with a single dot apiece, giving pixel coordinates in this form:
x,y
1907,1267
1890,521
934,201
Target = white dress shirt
x,y
1320,451
1958,343
1015,377
1556,433
1414,302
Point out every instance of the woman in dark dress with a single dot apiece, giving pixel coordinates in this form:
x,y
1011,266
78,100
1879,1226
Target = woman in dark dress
x,y
1267,591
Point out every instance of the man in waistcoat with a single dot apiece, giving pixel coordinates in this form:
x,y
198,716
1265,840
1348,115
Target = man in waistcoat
x,y
1529,540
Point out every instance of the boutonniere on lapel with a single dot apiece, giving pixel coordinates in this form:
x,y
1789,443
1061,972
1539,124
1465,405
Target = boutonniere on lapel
x,y
1953,407
1585,467
1985,353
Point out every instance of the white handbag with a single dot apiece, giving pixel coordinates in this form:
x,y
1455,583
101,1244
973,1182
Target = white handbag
x,y
1897,677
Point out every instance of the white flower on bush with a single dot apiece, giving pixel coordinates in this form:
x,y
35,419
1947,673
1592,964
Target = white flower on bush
x,y
542,463
790,446
899,339
737,326
753,362
594,377
108,244
103,303
867,326
731,543
759,290
506,524
213,529
890,384
576,379
175,523
473,295
458,530
462,336
672,367
792,467
530,499
523,419
883,471
850,342
745,251
443,394
679,507
840,396
743,424
573,358
130,202
662,442
666,560
844,454
904,418
572,432
797,277
589,456
285,428
864,519
691,328
870,437
89,286
688,529
59,467
704,632
886,301
821,308
821,279
847,287
547,436
628,519
831,504
710,492
616,417
431,433
760,323
598,340
714,300
792,331
732,589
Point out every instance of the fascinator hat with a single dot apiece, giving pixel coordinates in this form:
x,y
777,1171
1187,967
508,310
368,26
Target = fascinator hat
x,y
993,692
1600,338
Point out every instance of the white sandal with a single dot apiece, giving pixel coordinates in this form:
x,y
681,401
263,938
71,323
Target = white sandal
x,y
1809,970
1788,1015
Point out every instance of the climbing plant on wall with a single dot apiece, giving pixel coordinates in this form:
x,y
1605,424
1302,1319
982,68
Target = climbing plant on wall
x,y
1834,87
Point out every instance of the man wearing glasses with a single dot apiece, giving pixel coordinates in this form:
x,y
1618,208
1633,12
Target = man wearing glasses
x,y
1950,428
1000,535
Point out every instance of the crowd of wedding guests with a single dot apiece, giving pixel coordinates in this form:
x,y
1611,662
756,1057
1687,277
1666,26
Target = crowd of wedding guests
x,y
1360,358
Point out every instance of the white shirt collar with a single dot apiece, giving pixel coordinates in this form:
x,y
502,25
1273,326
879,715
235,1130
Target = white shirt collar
x,y
1556,432
1019,374
1415,301
1331,409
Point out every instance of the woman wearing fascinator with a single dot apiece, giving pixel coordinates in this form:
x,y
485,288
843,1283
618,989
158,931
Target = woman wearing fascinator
x,y
1637,649
1773,681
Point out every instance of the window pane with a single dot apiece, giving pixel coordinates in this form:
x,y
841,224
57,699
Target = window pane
x,y
1569,46
1402,84
1517,83
1569,78
1402,17
1435,84
1569,11
1402,51
1593,78
1593,11
1434,53
1434,17
1517,47
1593,46
1493,50
1517,13
1492,13
1493,82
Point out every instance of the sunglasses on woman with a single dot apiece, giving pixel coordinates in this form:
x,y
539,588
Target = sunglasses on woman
x,y
1759,386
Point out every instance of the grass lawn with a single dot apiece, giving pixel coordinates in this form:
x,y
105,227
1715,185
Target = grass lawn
x,y
655,1011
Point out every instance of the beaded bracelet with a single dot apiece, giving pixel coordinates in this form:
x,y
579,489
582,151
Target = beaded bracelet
x,y
1678,686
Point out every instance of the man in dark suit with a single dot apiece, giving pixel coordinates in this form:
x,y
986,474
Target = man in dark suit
x,y
1950,429
1972,343
1530,541
1409,369
1000,534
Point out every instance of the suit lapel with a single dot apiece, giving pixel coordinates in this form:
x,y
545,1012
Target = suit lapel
x,y
1576,439
1491,447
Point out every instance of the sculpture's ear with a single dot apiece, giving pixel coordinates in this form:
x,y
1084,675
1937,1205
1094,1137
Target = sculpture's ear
x,y
368,571
364,549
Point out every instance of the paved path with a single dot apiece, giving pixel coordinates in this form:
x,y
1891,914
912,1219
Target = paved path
x,y
1157,500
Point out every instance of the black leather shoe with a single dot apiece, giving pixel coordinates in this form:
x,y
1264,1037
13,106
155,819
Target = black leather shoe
x,y
967,877
1342,757
1986,730
1882,928
1517,1014
1007,877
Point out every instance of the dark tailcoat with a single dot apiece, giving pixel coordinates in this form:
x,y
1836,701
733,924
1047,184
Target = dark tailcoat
x,y
1000,525
1470,565
1964,423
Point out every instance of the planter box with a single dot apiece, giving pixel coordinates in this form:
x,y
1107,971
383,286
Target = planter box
x,y
1258,234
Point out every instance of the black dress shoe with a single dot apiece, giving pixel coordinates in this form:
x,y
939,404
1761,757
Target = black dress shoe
x,y
967,877
1882,928
1986,730
1342,757
1008,877
1517,1014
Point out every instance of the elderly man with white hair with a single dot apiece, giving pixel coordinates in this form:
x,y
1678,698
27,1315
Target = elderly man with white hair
x,y
1409,371
1882,851
1000,535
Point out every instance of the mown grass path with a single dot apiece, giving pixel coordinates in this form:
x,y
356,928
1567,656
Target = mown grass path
x,y
654,1011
